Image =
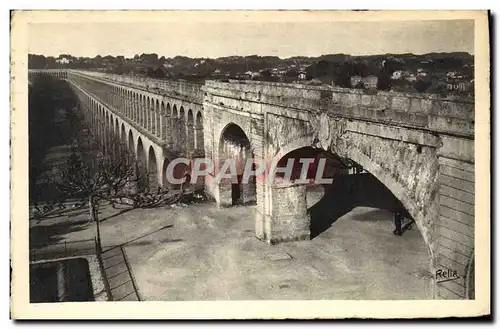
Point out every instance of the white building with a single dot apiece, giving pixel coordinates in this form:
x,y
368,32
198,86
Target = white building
x,y
62,60
396,75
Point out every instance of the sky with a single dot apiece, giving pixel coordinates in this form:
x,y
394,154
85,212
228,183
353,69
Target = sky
x,y
210,37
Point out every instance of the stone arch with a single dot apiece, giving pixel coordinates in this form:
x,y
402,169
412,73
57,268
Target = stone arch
x,y
142,167
117,129
199,139
182,113
157,118
123,135
182,128
190,133
133,109
149,113
234,145
131,144
142,109
175,128
152,170
378,172
163,116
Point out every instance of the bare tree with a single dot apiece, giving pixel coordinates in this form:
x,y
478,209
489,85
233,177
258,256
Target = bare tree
x,y
105,170
94,173
96,176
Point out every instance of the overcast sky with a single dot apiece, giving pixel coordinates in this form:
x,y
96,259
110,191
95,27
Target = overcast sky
x,y
210,37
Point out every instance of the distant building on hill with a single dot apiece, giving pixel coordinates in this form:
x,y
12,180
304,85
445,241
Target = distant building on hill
x,y
370,82
356,81
63,60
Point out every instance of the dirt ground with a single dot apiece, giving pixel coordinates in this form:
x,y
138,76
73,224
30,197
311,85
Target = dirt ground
x,y
201,252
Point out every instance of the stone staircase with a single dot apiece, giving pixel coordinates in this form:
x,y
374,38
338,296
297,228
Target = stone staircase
x,y
118,273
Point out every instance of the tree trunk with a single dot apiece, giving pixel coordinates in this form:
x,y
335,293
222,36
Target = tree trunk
x,y
95,218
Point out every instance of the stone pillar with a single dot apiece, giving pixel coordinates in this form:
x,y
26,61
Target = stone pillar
x,y
287,214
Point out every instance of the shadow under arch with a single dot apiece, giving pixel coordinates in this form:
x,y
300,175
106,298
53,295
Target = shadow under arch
x,y
234,150
403,202
152,170
142,168
123,135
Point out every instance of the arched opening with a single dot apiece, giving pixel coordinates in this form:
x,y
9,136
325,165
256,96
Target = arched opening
x,y
142,168
106,133
149,112
117,129
190,131
360,213
157,118
142,110
134,107
234,152
123,135
175,128
111,124
152,170
152,112
182,129
199,139
162,130
131,145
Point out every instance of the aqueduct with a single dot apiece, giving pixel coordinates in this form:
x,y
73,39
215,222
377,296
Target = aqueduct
x,y
419,146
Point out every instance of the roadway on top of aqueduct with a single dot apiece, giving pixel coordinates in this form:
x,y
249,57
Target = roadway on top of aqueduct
x,y
420,146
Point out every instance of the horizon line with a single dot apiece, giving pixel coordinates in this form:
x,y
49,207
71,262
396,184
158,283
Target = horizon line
x,y
280,57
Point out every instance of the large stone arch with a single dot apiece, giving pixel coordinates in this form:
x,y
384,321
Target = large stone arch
x,y
190,134
142,166
378,172
175,128
107,132
131,143
157,118
153,180
163,115
142,110
199,138
182,128
134,106
234,144
123,135
149,111
117,129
